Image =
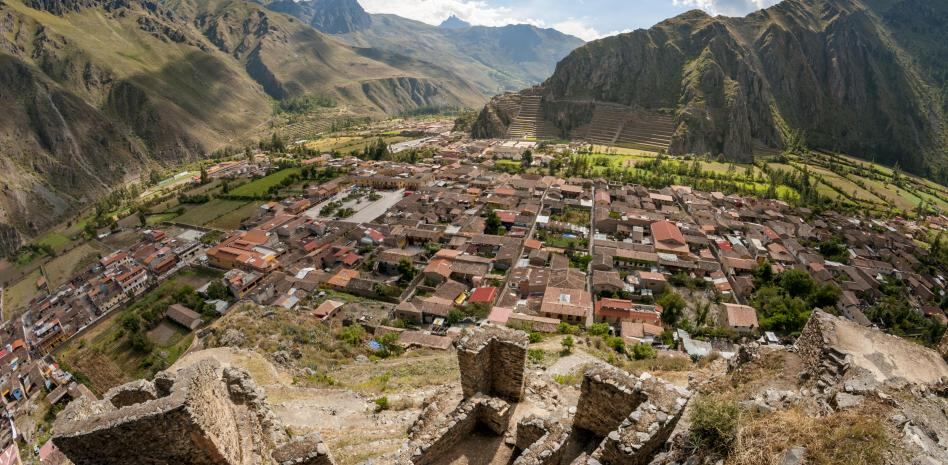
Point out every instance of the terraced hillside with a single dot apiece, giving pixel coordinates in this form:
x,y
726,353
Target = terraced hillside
x,y
862,77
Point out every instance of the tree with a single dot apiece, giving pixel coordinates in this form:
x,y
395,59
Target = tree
x,y
672,307
217,290
567,344
407,271
352,335
526,159
797,283
203,175
142,217
492,224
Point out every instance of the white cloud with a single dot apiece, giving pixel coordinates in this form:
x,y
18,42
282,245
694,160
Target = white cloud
x,y
728,7
435,11
477,12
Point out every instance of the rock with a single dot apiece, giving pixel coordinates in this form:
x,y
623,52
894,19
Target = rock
x,y
361,359
844,400
793,456
232,338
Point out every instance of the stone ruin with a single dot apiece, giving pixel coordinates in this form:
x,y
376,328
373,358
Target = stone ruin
x,y
619,418
208,415
838,352
202,415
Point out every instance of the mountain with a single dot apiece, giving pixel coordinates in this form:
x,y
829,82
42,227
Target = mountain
x,y
490,59
329,16
453,22
862,77
95,92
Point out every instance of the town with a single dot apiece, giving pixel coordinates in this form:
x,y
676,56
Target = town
x,y
403,242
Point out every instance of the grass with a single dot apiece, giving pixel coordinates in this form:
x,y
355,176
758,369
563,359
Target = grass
x,y
57,240
207,213
261,186
232,219
62,268
17,296
843,438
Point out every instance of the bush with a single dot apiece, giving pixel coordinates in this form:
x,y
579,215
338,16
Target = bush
x,y
566,328
381,404
352,335
599,329
535,337
714,424
567,344
536,355
643,352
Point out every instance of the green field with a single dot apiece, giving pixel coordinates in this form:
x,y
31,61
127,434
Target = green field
x,y
232,219
17,296
62,268
204,214
262,186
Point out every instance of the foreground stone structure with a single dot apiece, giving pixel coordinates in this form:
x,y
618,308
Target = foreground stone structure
x,y
492,361
202,415
619,419
836,350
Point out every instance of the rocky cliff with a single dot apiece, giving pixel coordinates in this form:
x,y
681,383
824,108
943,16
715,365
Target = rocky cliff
x,y
854,76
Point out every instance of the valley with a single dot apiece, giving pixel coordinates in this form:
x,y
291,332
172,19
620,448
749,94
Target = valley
x,y
244,232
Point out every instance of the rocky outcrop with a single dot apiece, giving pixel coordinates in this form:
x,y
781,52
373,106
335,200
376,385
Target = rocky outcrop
x,y
844,72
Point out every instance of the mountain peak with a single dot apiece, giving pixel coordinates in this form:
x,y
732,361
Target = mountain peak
x,y
453,22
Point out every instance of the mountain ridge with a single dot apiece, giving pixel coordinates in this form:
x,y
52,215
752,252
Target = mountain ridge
x,y
98,91
831,70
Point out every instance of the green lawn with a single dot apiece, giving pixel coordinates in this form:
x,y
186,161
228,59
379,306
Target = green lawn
x,y
262,186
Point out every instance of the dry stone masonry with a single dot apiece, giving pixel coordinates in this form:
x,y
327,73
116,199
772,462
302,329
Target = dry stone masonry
x,y
492,361
201,415
619,419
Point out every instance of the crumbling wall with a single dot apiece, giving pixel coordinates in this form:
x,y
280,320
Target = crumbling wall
x,y
529,430
162,430
305,450
492,361
607,397
549,449
811,343
491,413
202,415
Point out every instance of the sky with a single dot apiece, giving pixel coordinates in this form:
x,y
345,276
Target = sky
x,y
586,19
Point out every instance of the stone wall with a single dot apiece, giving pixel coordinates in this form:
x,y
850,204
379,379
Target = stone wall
x,y
479,410
530,430
811,343
492,361
607,397
549,449
201,415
